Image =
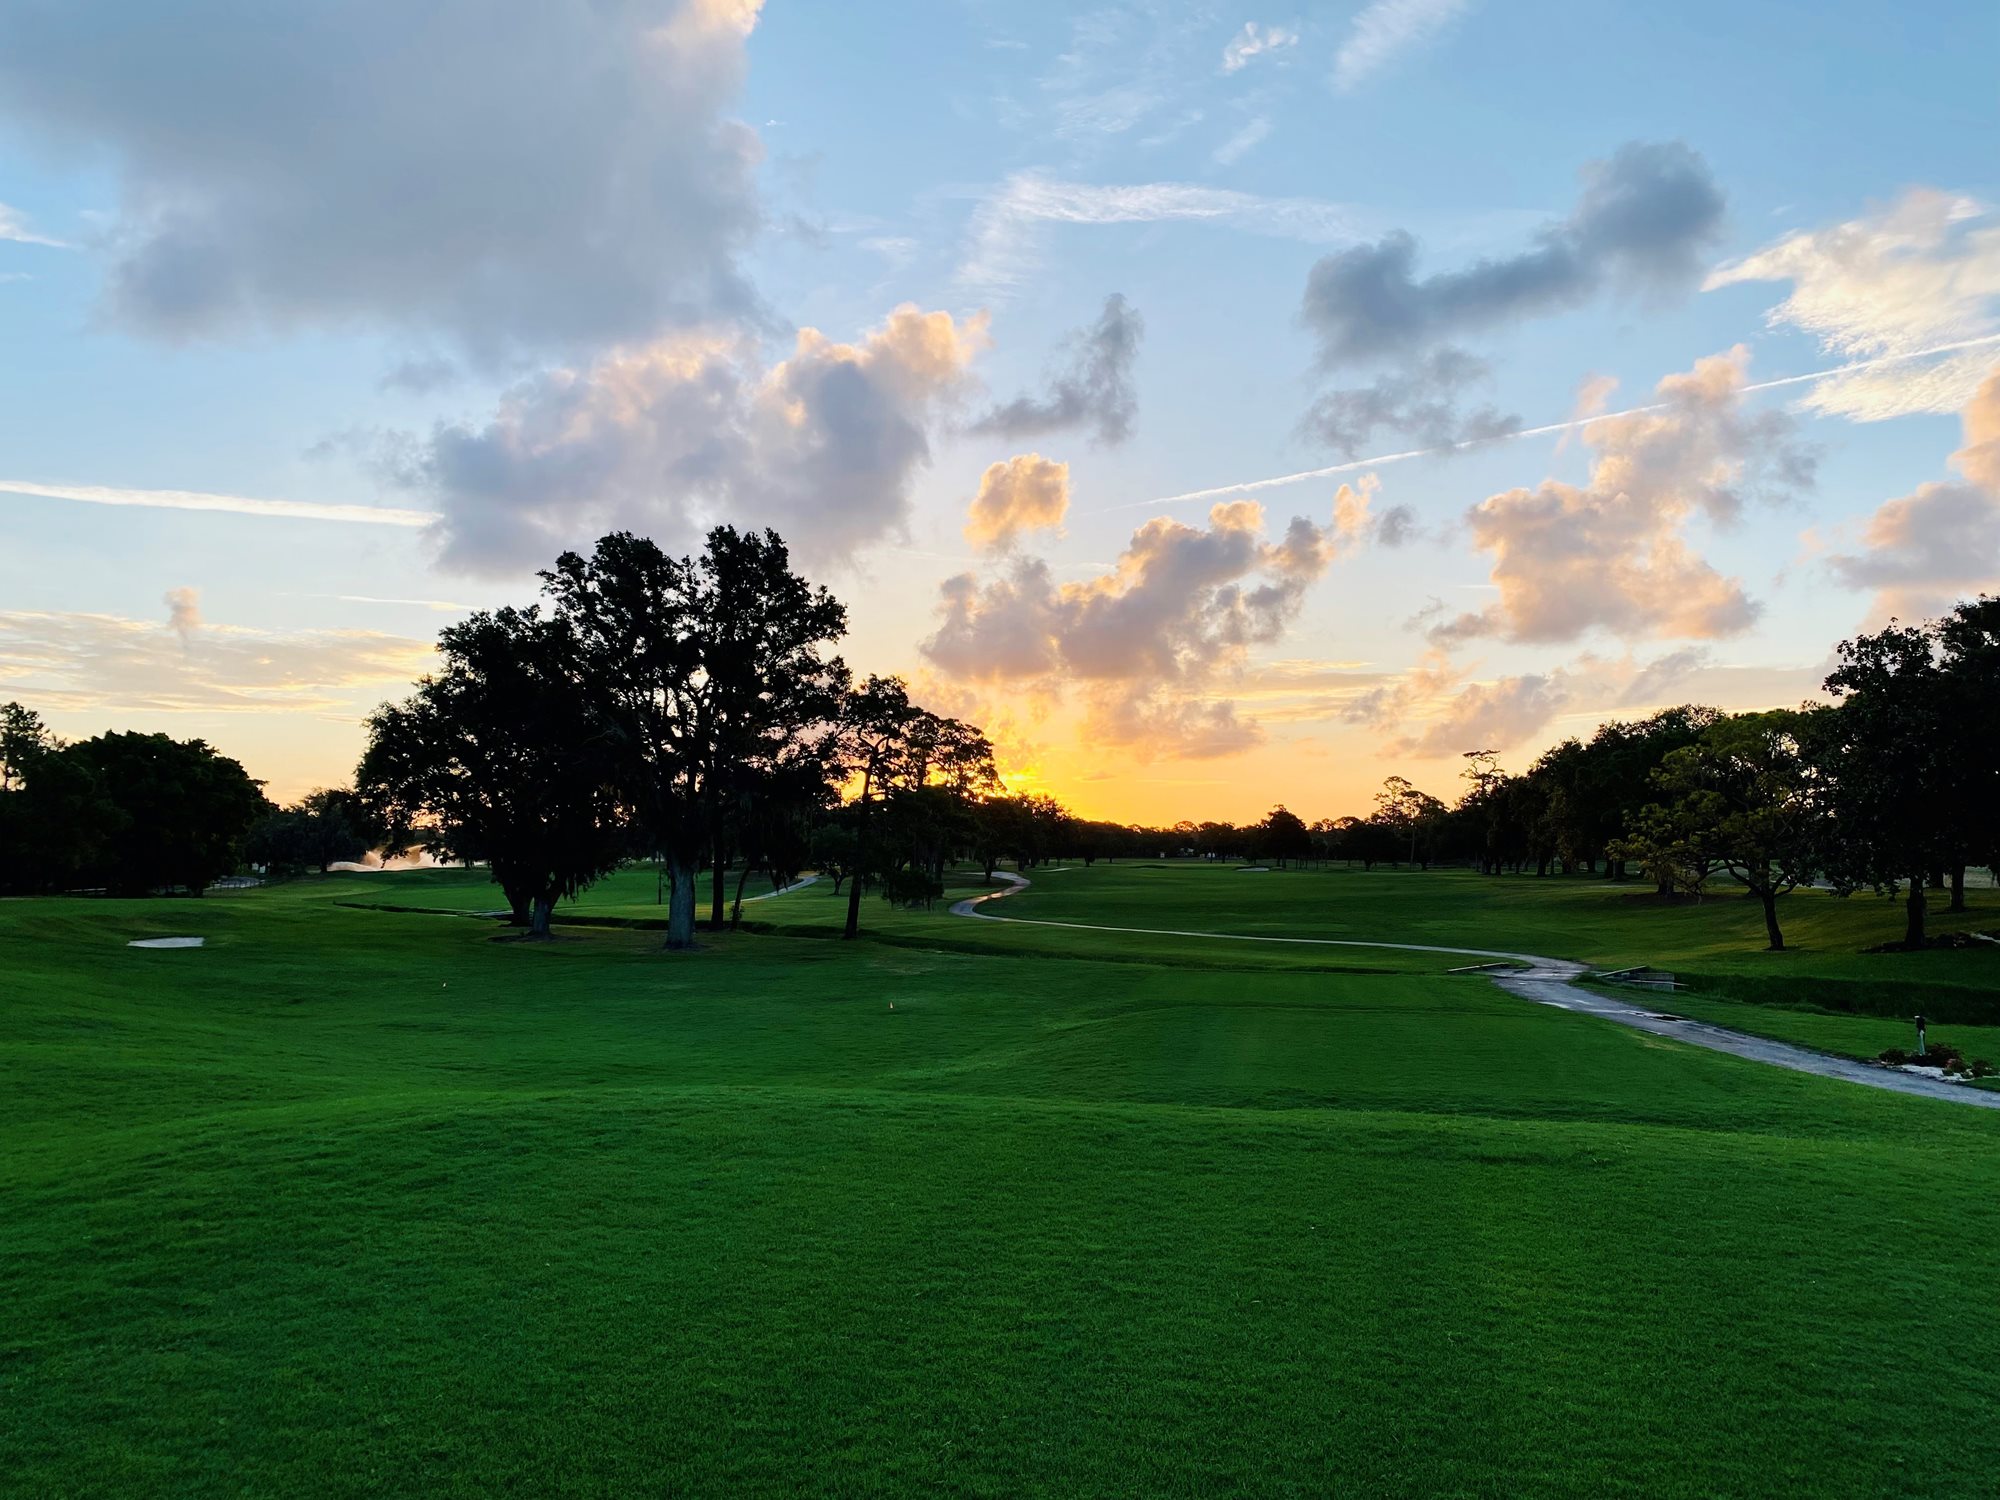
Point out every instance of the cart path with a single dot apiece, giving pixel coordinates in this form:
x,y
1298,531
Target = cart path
x,y
1552,981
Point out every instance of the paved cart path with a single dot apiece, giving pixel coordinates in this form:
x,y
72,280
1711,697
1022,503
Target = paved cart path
x,y
1552,981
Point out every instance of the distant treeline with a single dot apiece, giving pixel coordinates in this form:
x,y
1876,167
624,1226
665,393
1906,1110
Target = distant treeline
x,y
690,710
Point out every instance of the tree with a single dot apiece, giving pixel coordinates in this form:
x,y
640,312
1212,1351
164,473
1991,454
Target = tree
x,y
1749,796
54,817
769,690
893,749
175,811
707,674
320,830
24,738
1283,836
832,851
499,756
1412,814
1969,638
1891,754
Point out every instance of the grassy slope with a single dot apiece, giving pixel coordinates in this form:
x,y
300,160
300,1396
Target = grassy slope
x,y
354,1201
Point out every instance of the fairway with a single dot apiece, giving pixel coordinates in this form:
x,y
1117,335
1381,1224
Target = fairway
x,y
356,1201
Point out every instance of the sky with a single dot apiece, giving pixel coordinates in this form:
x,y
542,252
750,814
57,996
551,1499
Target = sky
x,y
1223,405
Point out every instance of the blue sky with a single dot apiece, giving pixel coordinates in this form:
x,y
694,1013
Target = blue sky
x,y
543,269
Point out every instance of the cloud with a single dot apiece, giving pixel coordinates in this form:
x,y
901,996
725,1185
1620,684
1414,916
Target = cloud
x,y
14,228
1026,493
1093,389
1434,711
1931,547
1009,225
541,178
1244,141
1420,400
1154,723
1255,41
1660,679
1386,30
1356,523
1490,715
183,613
1639,226
1148,642
242,505
1921,272
105,663
673,436
1612,554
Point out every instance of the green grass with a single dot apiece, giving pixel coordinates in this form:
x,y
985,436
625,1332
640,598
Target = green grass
x,y
359,1202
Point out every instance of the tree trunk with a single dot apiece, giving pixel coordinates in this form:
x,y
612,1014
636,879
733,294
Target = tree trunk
x,y
1957,888
539,911
736,910
1913,914
1770,900
718,883
853,927
680,903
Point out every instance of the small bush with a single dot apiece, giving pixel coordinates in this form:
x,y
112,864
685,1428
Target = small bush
x,y
1936,1055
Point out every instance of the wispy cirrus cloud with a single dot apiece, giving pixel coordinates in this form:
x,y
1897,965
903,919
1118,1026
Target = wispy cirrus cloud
x,y
1917,281
1010,226
1256,41
186,664
14,227
241,505
1386,31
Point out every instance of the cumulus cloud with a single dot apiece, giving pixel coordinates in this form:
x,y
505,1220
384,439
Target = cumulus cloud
x,y
1612,554
1927,549
673,436
1091,389
1436,709
1026,493
1148,642
1254,41
183,612
1921,272
1386,30
1356,522
1419,399
1660,679
92,662
1490,715
1639,227
522,179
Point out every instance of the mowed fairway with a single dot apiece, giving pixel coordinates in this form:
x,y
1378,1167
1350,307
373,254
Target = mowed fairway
x,y
360,1201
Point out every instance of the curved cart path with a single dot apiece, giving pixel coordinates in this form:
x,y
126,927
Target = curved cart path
x,y
1552,981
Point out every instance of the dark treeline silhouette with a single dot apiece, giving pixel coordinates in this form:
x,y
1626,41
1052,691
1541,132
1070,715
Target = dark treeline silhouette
x,y
691,710
125,813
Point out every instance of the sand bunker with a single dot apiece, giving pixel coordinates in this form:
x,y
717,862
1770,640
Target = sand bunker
x,y
164,943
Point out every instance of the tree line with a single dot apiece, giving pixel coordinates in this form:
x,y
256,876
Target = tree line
x,y
692,710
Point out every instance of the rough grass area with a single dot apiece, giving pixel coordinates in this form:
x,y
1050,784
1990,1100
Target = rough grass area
x,y
360,1202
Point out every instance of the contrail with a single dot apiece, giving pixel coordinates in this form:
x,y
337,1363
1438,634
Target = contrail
x,y
1251,486
241,505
